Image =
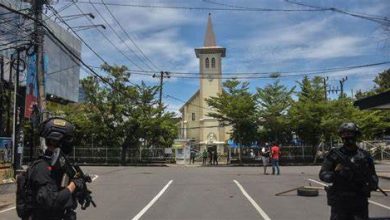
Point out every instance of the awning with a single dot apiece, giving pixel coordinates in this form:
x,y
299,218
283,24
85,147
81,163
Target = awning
x,y
379,101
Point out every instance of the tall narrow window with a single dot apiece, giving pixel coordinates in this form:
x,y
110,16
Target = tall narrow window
x,y
207,63
193,116
213,62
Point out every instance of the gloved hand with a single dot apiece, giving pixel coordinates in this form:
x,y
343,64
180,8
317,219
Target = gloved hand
x,y
344,172
80,184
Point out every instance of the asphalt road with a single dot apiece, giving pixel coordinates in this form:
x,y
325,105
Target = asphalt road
x,y
207,193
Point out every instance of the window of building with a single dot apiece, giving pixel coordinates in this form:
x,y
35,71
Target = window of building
x,y
213,62
207,63
193,116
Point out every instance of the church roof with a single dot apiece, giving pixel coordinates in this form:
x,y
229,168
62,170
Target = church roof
x,y
209,39
190,100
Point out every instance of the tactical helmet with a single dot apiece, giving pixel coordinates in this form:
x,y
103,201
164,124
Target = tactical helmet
x,y
58,130
349,130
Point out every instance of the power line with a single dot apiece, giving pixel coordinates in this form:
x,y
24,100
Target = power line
x,y
128,36
109,41
119,37
62,45
264,75
180,100
324,70
204,8
78,36
374,18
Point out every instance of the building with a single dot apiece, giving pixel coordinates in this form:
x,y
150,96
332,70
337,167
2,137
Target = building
x,y
197,129
62,72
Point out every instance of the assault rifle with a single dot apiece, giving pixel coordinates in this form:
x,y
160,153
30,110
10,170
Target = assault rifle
x,y
74,171
361,174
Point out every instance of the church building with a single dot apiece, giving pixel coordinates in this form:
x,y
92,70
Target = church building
x,y
200,130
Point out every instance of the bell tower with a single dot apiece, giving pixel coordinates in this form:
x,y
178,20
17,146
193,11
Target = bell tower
x,y
210,70
210,66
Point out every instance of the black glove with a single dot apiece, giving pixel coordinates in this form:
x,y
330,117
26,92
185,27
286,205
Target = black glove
x,y
80,184
346,173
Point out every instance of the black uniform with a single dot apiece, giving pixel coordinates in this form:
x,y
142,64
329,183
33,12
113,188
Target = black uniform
x,y
348,196
50,200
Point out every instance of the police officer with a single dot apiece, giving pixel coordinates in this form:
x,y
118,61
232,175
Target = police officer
x,y
51,199
352,174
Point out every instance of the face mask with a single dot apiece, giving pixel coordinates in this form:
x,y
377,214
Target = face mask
x,y
349,141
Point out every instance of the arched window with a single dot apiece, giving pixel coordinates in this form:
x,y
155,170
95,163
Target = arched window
x,y
207,62
213,62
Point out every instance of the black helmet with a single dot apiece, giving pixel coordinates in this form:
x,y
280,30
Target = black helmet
x,y
349,130
58,130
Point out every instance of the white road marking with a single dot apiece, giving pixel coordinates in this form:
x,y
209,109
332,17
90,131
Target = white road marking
x,y
142,212
370,201
318,182
9,209
257,207
379,204
95,177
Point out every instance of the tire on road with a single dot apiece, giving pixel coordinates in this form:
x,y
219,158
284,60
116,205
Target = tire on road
x,y
307,192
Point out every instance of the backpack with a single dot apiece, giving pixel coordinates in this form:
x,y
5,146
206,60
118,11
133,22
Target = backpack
x,y
24,193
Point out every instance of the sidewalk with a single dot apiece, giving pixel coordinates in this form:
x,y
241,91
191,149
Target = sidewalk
x,y
7,200
7,195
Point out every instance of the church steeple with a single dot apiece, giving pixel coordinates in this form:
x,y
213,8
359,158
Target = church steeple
x,y
210,44
209,39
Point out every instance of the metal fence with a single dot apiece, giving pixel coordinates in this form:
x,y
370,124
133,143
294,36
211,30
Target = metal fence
x,y
113,155
289,154
379,150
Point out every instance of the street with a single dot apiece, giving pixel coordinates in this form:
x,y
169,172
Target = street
x,y
208,193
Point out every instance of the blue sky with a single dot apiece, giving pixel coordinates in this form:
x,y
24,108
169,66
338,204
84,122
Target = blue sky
x,y
255,41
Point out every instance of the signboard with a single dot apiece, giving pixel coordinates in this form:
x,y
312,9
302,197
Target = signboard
x,y
6,148
31,87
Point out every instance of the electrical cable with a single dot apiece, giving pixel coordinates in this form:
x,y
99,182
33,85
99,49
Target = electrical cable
x,y
63,45
128,35
374,18
270,74
119,37
108,40
204,8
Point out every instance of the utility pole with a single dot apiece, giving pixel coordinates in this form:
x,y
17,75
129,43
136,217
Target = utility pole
x,y
342,86
325,79
2,91
162,76
37,7
17,134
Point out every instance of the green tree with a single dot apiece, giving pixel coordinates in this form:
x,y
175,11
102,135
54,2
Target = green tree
x,y
382,84
120,114
273,101
382,81
236,107
307,112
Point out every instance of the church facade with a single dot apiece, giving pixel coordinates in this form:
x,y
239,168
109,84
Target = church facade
x,y
196,127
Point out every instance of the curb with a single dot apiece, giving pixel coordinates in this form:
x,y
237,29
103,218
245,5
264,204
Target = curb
x,y
4,206
387,177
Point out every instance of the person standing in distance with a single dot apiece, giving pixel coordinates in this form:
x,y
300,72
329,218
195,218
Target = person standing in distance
x,y
47,198
352,173
264,157
275,153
